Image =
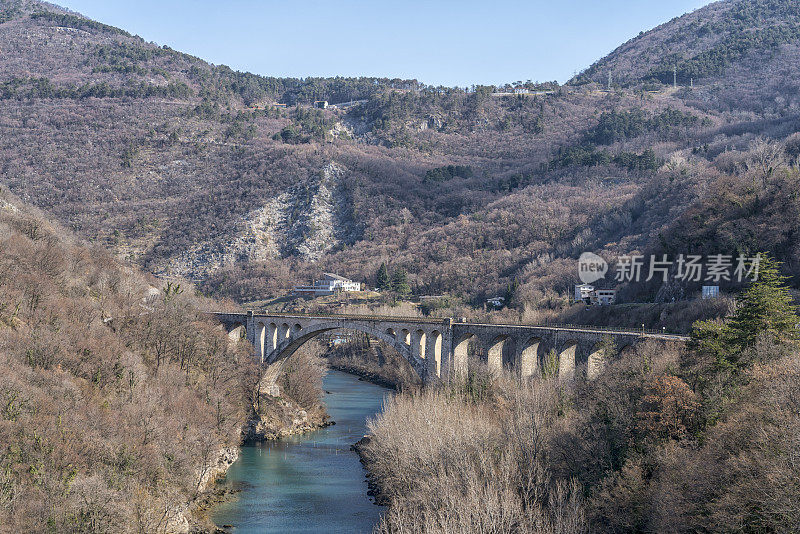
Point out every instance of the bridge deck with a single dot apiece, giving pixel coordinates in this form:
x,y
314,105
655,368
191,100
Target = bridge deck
x,y
643,333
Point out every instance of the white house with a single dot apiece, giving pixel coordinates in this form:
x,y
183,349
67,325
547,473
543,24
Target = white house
x,y
329,285
583,292
496,302
588,294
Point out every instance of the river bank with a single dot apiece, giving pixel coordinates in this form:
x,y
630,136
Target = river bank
x,y
279,417
375,363
366,375
309,482
276,418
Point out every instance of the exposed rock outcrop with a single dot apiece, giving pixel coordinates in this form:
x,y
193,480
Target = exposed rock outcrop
x,y
192,517
280,417
308,220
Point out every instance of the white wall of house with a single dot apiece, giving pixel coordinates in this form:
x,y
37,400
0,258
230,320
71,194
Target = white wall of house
x,y
329,285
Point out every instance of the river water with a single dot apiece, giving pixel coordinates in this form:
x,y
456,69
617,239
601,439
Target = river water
x,y
309,483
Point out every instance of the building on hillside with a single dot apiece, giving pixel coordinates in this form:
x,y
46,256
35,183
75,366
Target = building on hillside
x,y
496,302
604,297
599,297
710,292
321,104
329,285
583,292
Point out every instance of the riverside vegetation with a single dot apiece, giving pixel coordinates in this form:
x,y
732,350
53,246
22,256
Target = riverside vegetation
x,y
665,440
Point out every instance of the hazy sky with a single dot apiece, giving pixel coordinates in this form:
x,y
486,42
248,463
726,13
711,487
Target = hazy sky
x,y
437,42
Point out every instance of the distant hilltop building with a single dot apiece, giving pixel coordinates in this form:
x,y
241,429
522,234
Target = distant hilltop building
x,y
496,302
329,285
588,294
321,104
710,292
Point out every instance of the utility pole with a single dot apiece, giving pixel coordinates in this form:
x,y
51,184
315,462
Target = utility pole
x,y
609,80
675,77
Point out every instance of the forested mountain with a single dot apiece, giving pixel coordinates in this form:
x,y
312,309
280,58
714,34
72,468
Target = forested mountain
x,y
738,54
239,182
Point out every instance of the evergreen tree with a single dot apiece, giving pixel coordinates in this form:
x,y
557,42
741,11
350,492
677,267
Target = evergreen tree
x,y
384,282
712,337
400,282
510,293
766,309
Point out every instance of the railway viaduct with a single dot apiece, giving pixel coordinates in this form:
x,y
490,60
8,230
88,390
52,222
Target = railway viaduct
x,y
438,349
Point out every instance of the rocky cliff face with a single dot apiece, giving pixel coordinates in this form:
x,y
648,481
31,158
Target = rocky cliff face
x,y
308,220
280,417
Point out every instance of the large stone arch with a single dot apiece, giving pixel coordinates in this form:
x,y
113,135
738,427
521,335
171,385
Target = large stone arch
x,y
236,331
460,355
418,339
287,347
434,354
460,364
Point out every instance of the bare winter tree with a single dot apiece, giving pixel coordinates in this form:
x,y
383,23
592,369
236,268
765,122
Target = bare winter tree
x,y
765,158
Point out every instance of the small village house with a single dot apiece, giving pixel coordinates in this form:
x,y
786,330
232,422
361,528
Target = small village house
x,y
329,285
599,297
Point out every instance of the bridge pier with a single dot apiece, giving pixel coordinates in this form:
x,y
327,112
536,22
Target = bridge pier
x,y
418,344
528,357
433,353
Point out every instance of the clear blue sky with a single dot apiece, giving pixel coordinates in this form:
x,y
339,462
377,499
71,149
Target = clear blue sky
x,y
437,41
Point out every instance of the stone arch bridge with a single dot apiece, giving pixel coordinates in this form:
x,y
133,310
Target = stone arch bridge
x,y
438,349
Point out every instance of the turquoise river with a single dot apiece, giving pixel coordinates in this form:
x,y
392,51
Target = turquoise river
x,y
310,483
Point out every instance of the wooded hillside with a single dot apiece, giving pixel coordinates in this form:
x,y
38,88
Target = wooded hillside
x,y
236,181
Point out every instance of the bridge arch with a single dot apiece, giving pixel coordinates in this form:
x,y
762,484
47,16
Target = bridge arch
x,y
237,331
461,354
460,350
418,338
433,353
284,333
287,347
405,336
261,337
